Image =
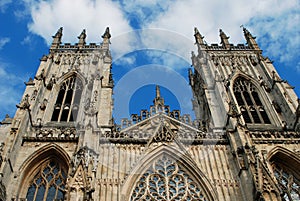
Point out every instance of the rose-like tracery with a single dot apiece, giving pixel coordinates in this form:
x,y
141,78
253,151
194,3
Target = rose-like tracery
x,y
166,180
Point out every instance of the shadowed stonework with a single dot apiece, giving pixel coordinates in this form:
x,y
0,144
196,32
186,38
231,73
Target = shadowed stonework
x,y
64,144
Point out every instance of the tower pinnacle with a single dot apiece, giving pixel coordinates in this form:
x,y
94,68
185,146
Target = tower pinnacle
x,y
250,39
57,39
224,39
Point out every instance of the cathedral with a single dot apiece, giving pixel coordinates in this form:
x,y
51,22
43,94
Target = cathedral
x,y
63,143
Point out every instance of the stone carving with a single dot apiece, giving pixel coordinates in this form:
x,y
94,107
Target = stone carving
x,y
164,135
263,84
59,133
52,81
43,104
34,94
41,76
24,104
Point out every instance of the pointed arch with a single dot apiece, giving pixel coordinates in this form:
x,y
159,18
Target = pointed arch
x,y
285,165
184,178
69,90
44,173
249,99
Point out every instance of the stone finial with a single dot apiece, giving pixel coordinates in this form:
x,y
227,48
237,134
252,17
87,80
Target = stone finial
x,y
198,37
224,39
250,39
106,34
82,38
57,39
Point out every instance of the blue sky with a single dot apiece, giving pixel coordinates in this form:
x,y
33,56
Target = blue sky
x,y
146,34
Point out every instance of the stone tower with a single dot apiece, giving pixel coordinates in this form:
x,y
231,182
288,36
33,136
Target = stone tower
x,y
63,144
238,91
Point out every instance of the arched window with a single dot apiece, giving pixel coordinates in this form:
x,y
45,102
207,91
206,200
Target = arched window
x,y
68,99
165,179
288,182
48,183
249,102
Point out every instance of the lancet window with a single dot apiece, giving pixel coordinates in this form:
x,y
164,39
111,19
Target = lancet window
x,y
166,180
249,102
68,99
48,183
288,182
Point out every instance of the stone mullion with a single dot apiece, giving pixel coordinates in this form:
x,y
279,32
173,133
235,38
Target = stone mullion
x,y
63,101
72,101
254,105
247,107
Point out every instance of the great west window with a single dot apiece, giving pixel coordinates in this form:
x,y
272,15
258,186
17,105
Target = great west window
x,y
166,180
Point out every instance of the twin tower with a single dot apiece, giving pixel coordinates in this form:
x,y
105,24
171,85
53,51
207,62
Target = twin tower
x,y
63,144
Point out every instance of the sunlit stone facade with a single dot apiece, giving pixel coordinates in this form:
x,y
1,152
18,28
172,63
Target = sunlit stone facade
x,y
63,144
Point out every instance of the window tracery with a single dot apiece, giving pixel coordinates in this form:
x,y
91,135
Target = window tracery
x,y
48,184
249,102
68,99
289,184
166,180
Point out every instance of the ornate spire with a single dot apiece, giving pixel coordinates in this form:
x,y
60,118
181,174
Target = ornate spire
x,y
224,39
198,37
81,38
250,39
157,91
158,101
57,39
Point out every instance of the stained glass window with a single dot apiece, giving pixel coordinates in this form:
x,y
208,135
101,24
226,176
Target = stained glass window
x,y
67,102
249,102
288,183
166,180
48,183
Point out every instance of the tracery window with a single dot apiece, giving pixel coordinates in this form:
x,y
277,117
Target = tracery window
x,y
249,102
289,184
166,180
48,184
67,102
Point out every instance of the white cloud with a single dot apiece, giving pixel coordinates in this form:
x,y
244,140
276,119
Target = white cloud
x,y
26,40
280,35
4,41
11,87
4,4
76,15
274,17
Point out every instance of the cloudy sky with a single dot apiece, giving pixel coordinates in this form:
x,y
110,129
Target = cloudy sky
x,y
146,34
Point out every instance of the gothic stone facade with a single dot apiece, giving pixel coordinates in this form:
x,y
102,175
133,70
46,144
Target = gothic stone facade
x,y
63,144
